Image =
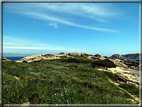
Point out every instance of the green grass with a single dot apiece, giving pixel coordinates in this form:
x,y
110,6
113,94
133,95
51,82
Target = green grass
x,y
57,82
130,88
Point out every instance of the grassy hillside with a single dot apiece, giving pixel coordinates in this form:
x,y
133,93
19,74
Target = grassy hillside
x,y
61,81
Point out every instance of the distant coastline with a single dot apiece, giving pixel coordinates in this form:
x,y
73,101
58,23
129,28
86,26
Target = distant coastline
x,y
130,59
128,56
14,58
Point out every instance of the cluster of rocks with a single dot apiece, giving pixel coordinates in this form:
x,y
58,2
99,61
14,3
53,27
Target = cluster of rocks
x,y
5,59
122,71
130,65
118,62
38,58
124,75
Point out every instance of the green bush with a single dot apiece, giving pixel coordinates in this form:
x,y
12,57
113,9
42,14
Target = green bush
x,y
104,63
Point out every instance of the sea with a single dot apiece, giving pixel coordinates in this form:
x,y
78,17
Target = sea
x,y
129,59
14,58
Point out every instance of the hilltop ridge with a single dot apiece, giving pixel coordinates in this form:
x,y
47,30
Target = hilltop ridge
x,y
131,56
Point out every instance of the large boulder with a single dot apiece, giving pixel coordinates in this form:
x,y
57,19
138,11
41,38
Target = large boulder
x,y
104,63
5,59
84,54
93,57
121,77
37,60
73,54
62,53
31,57
45,55
117,56
97,55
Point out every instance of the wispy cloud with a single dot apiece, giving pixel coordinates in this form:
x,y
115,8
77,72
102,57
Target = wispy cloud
x,y
42,16
48,12
53,24
21,44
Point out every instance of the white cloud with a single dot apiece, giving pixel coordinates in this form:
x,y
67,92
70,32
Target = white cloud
x,y
42,16
15,44
53,24
47,12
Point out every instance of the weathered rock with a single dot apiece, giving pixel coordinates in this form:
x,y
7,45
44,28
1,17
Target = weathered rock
x,y
132,67
97,55
123,65
117,56
27,61
133,56
73,54
121,77
128,77
37,60
4,58
19,61
44,58
54,57
102,58
84,54
104,63
140,66
47,55
62,53
93,57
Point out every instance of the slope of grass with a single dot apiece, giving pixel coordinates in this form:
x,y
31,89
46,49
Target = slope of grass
x,y
59,82
130,88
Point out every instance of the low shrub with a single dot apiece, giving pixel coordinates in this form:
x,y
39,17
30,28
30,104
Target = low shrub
x,y
104,63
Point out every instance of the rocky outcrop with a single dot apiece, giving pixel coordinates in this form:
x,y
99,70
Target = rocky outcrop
x,y
62,53
119,63
5,59
84,54
124,75
97,55
128,77
38,58
104,63
73,54
117,56
93,57
133,56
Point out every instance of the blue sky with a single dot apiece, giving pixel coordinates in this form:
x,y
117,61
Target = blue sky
x,y
94,28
